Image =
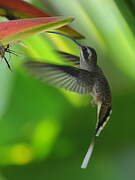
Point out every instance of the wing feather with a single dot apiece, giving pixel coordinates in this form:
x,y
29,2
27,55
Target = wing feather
x,y
67,77
70,57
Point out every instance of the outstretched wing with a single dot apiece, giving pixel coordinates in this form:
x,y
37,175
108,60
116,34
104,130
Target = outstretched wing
x,y
70,57
67,77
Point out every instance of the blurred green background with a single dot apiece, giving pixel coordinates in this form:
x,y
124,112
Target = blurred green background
x,y
45,131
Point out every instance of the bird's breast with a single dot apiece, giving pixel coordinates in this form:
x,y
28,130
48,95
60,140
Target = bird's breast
x,y
96,96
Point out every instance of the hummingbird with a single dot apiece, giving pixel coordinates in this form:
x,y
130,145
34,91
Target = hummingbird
x,y
84,77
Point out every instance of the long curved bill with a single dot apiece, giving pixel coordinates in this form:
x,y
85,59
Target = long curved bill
x,y
70,37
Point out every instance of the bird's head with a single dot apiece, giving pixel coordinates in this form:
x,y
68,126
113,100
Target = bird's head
x,y
88,54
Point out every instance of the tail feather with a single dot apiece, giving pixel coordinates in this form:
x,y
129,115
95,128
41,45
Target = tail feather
x,y
104,112
88,154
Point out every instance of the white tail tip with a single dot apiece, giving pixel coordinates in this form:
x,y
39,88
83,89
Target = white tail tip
x,y
88,155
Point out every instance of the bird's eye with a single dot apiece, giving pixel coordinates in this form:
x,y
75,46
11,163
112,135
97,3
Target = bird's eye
x,y
84,49
86,52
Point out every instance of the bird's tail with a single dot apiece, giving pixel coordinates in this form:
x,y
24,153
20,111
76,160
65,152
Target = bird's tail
x,y
88,154
104,112
92,144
